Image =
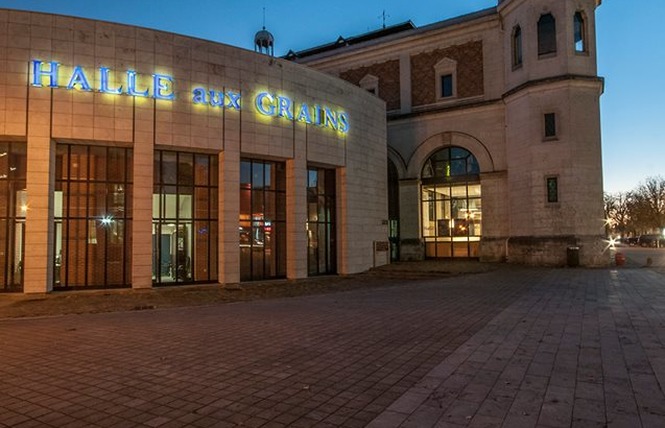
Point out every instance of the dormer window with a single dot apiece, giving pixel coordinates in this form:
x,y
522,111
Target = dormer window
x,y
446,86
370,83
446,79
579,32
546,35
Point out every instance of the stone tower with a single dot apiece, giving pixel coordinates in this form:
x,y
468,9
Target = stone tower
x,y
553,143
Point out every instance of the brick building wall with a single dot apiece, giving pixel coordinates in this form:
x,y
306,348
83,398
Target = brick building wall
x,y
388,75
469,58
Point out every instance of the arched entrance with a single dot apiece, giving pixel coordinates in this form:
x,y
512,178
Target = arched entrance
x,y
451,204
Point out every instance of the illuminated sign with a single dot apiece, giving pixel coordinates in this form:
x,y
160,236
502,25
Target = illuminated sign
x,y
280,106
162,87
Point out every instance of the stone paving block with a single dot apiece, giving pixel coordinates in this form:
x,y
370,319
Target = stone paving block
x,y
424,416
557,407
408,402
388,419
584,423
460,412
474,392
495,407
589,391
480,421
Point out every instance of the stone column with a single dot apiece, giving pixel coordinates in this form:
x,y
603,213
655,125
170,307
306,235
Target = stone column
x,y
344,240
495,222
143,172
411,247
229,214
296,216
38,259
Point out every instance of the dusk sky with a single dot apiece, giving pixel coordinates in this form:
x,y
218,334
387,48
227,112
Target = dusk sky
x,y
631,51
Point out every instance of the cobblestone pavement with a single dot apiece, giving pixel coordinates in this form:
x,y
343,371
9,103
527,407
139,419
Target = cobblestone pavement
x,y
583,348
518,347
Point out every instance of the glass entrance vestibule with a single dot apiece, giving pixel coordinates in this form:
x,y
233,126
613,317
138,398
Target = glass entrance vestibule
x,y
451,204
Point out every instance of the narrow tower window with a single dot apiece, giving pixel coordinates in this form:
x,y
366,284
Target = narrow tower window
x,y
580,33
550,125
552,190
517,46
546,35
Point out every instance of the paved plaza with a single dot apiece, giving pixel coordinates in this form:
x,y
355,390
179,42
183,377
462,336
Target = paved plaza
x,y
515,347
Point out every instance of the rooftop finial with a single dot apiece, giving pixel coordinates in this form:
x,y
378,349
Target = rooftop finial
x,y
383,17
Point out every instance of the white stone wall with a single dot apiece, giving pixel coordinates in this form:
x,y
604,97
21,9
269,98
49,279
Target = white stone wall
x,y
43,116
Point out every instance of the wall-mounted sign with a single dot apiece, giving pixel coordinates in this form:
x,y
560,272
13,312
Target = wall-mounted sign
x,y
162,87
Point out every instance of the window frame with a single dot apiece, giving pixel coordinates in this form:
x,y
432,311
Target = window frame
x,y
517,47
321,253
100,224
13,187
446,231
552,201
256,221
188,259
445,91
584,40
547,40
555,135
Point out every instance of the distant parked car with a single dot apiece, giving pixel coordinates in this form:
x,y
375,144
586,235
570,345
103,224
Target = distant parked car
x,y
632,241
650,240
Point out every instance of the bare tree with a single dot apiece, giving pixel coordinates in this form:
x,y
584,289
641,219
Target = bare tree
x,y
618,213
649,204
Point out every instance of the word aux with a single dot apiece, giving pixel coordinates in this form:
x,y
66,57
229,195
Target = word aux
x,y
228,99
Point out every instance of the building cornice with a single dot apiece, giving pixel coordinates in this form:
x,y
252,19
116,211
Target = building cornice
x,y
393,117
555,79
435,109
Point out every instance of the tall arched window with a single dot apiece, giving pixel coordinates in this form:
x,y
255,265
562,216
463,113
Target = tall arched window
x,y
451,204
517,46
546,34
580,32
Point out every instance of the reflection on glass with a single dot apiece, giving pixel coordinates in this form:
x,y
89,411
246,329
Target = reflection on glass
x,y
184,237
92,246
262,222
13,209
321,198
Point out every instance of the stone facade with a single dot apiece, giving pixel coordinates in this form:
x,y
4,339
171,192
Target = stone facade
x,y
41,116
542,193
